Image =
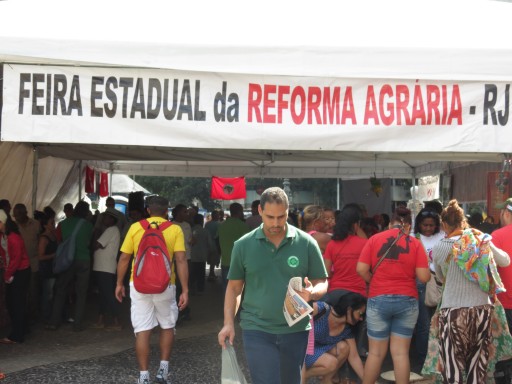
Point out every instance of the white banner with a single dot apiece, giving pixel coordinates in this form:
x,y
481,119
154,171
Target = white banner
x,y
211,110
428,188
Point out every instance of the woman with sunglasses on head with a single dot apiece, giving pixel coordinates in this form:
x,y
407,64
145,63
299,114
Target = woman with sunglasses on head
x,y
390,262
427,229
334,340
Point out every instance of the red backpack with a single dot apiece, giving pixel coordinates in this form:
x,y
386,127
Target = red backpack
x,y
152,267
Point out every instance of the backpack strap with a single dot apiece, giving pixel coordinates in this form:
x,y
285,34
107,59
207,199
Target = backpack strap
x,y
144,224
162,226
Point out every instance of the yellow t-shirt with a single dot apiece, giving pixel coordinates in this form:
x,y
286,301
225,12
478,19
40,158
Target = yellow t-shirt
x,y
173,238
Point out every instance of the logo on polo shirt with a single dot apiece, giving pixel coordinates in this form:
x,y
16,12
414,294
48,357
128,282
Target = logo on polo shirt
x,y
293,261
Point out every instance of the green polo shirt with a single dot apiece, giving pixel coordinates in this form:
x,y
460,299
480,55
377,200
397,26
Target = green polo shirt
x,y
83,237
267,270
229,231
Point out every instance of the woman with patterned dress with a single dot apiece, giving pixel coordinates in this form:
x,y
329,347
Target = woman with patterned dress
x,y
466,262
334,341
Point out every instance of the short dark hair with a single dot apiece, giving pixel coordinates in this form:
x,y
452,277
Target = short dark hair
x,y
81,209
198,219
177,209
48,211
215,214
158,205
68,207
235,209
274,195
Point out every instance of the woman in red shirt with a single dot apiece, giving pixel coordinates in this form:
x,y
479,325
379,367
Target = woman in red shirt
x,y
342,254
17,277
390,262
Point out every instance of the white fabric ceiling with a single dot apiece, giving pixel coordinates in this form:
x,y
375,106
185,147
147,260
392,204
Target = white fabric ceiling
x,y
395,39
451,40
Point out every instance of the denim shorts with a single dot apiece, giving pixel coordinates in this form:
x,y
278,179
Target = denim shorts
x,y
391,314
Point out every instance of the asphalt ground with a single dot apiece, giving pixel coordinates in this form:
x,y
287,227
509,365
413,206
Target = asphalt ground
x,y
107,356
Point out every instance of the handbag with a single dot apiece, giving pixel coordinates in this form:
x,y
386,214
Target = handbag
x,y
231,372
66,251
433,291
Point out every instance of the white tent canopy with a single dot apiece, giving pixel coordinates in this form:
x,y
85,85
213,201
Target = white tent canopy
x,y
436,72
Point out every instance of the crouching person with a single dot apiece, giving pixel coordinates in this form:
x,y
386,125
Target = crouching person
x,y
334,340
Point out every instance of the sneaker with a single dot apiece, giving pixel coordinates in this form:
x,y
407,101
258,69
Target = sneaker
x,y
159,379
143,381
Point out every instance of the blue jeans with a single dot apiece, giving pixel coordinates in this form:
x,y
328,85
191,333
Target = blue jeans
x,y
391,314
275,359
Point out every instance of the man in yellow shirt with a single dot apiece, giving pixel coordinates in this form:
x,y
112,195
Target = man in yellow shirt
x,y
150,310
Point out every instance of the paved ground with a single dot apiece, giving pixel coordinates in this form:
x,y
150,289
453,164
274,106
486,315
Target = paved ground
x,y
101,356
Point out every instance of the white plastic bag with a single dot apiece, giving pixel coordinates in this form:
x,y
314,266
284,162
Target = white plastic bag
x,y
231,372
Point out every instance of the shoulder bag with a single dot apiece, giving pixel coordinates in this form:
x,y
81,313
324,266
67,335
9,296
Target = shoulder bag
x,y
66,251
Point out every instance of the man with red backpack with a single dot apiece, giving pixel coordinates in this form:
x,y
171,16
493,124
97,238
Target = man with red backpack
x,y
154,242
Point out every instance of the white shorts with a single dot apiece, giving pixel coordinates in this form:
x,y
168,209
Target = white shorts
x,y
150,310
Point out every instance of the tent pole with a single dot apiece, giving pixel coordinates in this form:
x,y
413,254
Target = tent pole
x,y
337,193
413,185
110,179
35,172
80,180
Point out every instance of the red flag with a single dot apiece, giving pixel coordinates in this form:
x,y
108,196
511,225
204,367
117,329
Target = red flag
x,y
103,184
224,188
89,180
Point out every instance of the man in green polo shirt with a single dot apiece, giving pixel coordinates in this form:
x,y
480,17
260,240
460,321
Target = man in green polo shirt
x,y
230,230
262,263
79,272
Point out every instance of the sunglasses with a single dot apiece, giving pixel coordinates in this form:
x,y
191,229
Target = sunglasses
x,y
429,214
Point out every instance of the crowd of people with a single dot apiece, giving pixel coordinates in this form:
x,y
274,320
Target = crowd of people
x,y
433,278
368,280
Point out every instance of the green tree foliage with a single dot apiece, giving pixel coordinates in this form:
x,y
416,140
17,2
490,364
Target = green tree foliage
x,y
324,190
186,190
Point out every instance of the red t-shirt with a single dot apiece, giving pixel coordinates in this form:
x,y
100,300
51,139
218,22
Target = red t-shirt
x,y
396,275
18,259
344,255
502,238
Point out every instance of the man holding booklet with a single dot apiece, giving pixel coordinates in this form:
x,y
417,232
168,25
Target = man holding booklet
x,y
262,264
